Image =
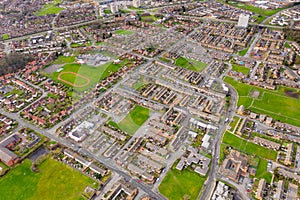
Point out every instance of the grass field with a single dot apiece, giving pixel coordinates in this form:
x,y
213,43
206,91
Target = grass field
x,y
243,52
268,101
190,64
259,11
124,32
248,147
261,171
65,59
136,118
5,36
51,8
54,180
242,69
94,74
178,185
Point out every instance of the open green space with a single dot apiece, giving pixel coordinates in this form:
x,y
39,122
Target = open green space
x,y
94,74
190,64
52,8
136,118
55,180
261,171
259,11
64,60
148,18
248,147
177,185
242,69
233,123
243,52
124,32
5,36
282,104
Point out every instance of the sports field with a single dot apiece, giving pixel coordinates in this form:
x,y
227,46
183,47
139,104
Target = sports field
x,y
283,104
51,8
134,120
81,77
248,147
55,180
190,64
177,185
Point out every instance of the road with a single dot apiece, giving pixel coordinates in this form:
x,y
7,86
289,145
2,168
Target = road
x,y
212,176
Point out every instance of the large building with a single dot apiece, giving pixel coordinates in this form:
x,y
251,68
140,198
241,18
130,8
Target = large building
x,y
136,3
243,21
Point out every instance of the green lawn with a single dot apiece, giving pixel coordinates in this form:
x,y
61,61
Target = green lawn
x,y
124,32
243,52
190,64
179,185
233,123
55,180
51,8
261,171
5,36
95,74
268,102
242,69
248,147
136,118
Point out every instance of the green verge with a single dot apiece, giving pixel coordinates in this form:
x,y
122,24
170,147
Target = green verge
x,y
134,120
185,184
55,180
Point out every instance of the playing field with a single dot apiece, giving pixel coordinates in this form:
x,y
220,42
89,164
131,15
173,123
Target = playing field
x,y
248,147
190,64
134,120
54,180
283,104
177,185
51,8
81,77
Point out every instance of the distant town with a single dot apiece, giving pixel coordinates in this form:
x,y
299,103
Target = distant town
x,y
150,100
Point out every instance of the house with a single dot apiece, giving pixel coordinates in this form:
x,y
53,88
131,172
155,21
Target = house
x,y
260,189
8,157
